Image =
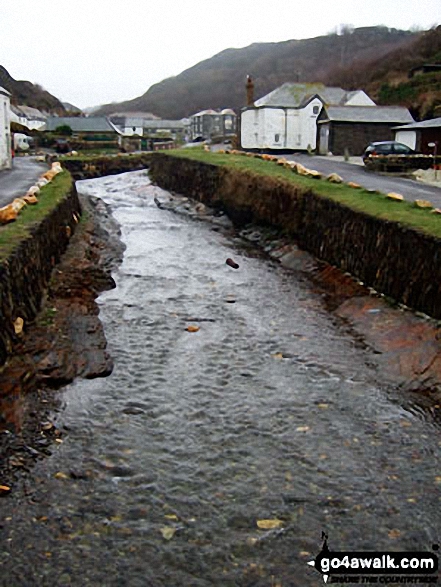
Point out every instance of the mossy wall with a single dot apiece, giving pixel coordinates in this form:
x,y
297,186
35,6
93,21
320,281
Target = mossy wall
x,y
395,260
100,165
25,272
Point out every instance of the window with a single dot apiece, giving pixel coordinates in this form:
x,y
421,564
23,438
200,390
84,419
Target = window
x,y
316,109
277,138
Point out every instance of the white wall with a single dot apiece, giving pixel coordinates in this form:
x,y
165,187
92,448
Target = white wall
x,y
278,128
5,133
407,137
34,124
263,128
251,128
302,126
129,132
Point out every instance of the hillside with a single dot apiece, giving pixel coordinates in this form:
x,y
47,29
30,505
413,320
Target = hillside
x,y
28,94
219,82
387,81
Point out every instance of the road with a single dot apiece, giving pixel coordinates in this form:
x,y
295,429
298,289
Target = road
x,y
216,456
410,189
15,182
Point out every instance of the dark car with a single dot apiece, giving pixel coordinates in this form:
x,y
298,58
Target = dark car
x,y
387,148
62,146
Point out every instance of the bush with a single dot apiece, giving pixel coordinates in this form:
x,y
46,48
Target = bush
x,y
64,130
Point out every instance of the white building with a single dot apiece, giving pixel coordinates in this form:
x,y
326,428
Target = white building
x,y
5,130
286,118
31,118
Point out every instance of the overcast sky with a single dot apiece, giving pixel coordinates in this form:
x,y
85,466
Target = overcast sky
x,y
90,52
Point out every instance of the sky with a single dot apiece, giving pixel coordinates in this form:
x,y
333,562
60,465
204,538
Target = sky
x,y
92,52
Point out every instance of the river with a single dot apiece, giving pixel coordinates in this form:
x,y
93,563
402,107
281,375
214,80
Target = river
x,y
270,410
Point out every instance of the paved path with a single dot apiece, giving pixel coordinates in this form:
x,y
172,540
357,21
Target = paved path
x,y
409,188
16,181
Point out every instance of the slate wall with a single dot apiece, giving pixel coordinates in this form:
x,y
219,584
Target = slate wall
x,y
25,274
397,261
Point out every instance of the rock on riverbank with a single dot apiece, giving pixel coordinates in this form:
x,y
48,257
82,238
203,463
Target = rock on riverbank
x,y
65,341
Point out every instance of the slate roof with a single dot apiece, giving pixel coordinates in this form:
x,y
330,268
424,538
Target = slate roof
x,y
31,113
81,124
385,114
135,114
208,112
433,123
297,95
163,124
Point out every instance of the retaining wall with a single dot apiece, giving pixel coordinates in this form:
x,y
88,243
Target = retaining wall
x,y
395,260
89,168
25,274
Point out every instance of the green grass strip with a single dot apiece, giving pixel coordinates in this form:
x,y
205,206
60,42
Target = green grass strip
x,y
372,203
49,197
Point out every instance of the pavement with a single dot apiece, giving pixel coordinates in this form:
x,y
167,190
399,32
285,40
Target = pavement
x,y
427,176
15,182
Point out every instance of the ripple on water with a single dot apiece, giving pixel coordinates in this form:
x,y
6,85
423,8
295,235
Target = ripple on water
x,y
268,411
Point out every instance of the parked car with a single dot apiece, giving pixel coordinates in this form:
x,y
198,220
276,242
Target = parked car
x,y
387,148
62,146
391,155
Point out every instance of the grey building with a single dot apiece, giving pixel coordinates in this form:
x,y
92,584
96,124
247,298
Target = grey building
x,y
210,124
352,128
99,125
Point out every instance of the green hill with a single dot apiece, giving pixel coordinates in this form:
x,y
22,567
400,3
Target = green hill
x,y
387,80
219,82
28,94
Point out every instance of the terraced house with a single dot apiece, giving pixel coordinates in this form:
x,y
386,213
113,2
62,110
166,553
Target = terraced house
x,y
212,124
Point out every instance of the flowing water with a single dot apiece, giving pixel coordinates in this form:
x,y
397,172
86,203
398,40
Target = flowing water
x,y
270,411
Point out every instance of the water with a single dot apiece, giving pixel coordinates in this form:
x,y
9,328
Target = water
x,y
270,411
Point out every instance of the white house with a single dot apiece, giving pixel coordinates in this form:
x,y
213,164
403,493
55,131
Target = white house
x,y
286,118
27,116
5,130
132,123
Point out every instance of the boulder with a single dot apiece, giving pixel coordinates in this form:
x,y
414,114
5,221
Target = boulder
x,y
334,178
30,199
8,214
423,204
395,196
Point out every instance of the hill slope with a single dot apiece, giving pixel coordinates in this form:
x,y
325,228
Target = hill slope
x,y
219,82
387,80
28,94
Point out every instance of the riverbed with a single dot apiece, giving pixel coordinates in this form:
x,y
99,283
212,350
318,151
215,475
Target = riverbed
x,y
241,420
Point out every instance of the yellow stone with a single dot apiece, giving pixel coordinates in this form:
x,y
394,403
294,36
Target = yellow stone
x,y
423,204
269,524
334,178
18,325
395,196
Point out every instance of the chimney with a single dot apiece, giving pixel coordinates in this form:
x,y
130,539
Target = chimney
x,y
250,91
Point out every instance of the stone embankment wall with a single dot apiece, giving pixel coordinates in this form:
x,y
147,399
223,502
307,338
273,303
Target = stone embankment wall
x,y
25,273
397,261
89,168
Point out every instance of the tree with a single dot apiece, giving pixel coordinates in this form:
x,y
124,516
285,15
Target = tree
x,y
64,129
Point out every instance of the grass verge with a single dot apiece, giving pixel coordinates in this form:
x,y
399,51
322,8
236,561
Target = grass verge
x,y
368,202
50,196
